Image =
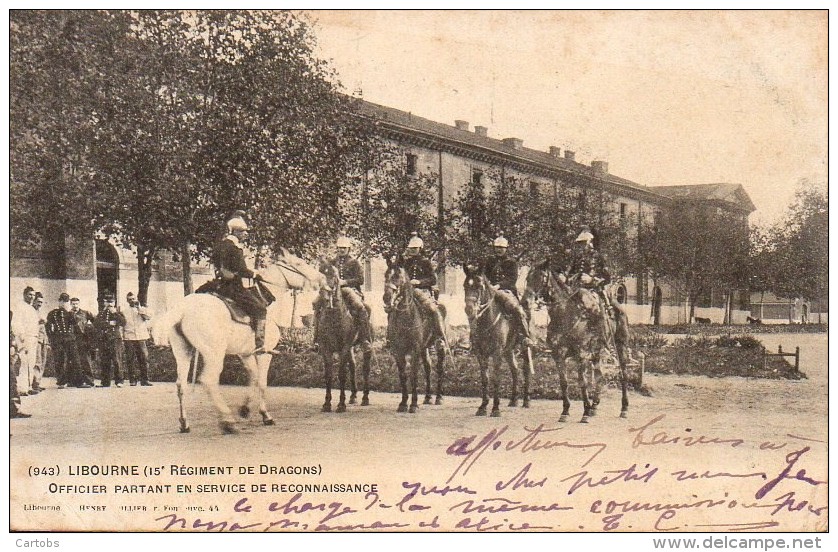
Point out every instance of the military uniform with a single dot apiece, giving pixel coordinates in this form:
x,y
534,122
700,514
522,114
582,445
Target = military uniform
x,y
85,347
502,271
111,349
231,267
350,271
61,332
421,269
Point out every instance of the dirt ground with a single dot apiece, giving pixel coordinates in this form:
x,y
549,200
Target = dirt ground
x,y
700,454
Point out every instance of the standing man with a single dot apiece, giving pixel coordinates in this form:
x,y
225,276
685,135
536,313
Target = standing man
x,y
60,328
42,349
25,327
502,272
85,344
136,341
14,361
110,324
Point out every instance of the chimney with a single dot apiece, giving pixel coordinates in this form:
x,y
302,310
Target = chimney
x,y
600,167
514,143
570,155
555,152
462,125
481,130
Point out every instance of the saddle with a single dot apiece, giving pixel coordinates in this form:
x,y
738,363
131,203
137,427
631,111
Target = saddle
x,y
236,312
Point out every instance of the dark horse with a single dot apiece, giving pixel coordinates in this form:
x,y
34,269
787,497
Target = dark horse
x,y
337,333
493,339
411,333
574,332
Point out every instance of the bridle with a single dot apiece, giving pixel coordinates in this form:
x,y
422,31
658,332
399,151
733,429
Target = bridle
x,y
483,293
402,294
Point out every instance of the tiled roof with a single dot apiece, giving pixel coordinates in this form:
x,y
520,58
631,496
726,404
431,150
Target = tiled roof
x,y
726,192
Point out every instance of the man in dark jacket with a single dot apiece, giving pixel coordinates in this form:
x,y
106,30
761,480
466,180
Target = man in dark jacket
x,y
63,335
351,276
110,324
230,269
423,278
502,272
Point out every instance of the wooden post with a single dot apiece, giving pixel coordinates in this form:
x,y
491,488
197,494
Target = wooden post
x,y
797,359
780,349
764,359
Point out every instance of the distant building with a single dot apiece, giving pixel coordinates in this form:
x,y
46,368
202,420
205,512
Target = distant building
x,y
458,155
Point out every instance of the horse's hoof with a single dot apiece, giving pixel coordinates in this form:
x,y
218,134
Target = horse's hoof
x,y
186,429
402,408
526,403
268,422
624,414
563,418
244,411
413,408
341,408
584,420
427,400
352,400
229,428
365,401
495,413
438,401
513,402
326,408
481,411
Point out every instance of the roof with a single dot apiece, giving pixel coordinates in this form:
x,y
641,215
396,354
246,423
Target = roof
x,y
732,194
408,121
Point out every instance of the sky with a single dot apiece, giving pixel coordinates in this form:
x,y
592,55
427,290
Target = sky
x,y
665,97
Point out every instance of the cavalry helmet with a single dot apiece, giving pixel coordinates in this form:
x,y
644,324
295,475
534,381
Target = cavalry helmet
x,y
585,237
236,223
500,241
415,241
343,241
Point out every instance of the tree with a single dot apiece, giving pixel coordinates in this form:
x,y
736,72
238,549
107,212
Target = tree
x,y
697,248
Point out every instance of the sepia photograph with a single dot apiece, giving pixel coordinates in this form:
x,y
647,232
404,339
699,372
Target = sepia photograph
x,y
419,271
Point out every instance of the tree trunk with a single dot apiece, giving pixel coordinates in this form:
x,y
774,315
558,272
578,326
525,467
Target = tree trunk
x,y
186,268
145,260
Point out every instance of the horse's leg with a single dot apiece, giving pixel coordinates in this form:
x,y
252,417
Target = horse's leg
x,y
509,356
526,370
497,360
484,384
251,365
365,399
401,361
184,355
213,364
426,364
343,364
583,388
621,358
415,359
561,367
353,397
440,369
263,364
327,374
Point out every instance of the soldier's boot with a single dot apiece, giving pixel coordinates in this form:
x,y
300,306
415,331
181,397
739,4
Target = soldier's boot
x,y
362,319
439,324
524,328
259,330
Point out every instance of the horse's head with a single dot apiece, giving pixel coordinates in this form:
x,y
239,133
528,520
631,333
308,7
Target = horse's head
x,y
397,287
330,290
475,290
540,283
292,272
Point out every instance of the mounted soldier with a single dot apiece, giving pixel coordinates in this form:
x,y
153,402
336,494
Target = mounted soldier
x,y
230,270
423,279
351,280
502,272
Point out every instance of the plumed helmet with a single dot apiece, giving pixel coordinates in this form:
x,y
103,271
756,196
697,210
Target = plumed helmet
x,y
415,241
236,223
585,237
343,241
500,241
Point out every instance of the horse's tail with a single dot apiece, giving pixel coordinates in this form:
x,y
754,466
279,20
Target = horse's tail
x,y
165,324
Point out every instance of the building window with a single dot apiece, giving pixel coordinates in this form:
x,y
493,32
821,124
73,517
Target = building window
x,y
476,177
621,295
411,164
623,211
533,189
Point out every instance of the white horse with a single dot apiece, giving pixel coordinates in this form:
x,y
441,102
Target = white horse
x,y
202,324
